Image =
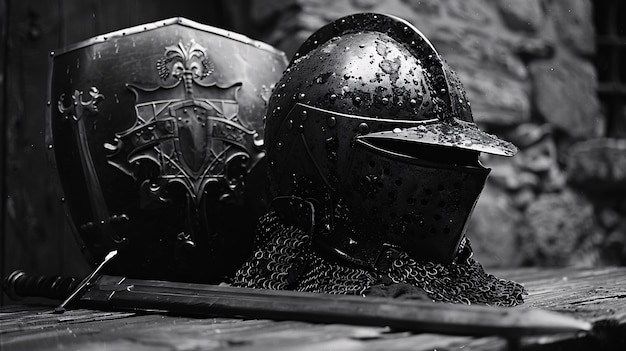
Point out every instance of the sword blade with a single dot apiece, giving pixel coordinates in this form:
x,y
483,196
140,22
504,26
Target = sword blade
x,y
119,293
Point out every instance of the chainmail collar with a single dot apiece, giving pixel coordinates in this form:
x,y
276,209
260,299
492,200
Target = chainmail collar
x,y
286,258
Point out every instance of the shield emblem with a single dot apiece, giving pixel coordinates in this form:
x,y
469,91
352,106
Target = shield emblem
x,y
156,134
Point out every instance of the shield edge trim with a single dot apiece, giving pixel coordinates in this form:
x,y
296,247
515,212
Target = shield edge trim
x,y
164,23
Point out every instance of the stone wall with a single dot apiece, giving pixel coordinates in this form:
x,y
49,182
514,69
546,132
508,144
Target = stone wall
x,y
527,68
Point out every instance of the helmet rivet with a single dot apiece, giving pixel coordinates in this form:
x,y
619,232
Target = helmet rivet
x,y
333,97
62,199
413,102
357,101
301,128
301,96
304,115
332,121
279,146
385,101
289,124
50,146
364,128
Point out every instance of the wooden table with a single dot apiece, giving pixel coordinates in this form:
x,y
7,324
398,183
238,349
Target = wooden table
x,y
595,295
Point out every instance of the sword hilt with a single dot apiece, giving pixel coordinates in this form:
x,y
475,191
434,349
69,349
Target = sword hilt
x,y
19,285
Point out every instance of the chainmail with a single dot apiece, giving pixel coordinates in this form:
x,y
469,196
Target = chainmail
x,y
286,259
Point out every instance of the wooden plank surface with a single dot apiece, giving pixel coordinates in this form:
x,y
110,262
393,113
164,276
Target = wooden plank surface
x,y
594,295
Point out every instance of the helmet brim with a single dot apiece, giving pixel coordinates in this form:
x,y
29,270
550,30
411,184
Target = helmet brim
x,y
460,134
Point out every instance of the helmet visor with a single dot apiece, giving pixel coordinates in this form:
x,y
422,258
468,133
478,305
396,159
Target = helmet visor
x,y
460,134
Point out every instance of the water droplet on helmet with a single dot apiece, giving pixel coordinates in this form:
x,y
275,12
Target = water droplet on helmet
x,y
331,121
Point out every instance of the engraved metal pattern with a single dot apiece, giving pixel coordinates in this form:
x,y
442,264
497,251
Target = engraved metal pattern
x,y
77,111
192,138
172,160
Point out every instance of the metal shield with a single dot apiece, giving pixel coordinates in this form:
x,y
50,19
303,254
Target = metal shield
x,y
156,134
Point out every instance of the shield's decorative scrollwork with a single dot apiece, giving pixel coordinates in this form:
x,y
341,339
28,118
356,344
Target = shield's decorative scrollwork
x,y
191,136
156,133
77,111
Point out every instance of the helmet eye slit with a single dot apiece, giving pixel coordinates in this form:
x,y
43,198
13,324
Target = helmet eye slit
x,y
432,154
